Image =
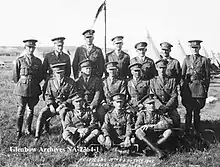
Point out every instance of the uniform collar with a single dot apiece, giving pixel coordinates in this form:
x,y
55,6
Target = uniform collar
x,y
57,53
118,52
89,47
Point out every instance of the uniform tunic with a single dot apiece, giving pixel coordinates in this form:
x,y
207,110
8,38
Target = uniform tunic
x,y
148,67
123,60
56,94
95,55
110,88
196,77
52,58
166,92
92,88
173,69
117,126
27,75
137,90
151,118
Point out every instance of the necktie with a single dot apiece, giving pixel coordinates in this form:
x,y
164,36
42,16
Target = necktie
x,y
163,80
28,60
58,83
58,56
86,79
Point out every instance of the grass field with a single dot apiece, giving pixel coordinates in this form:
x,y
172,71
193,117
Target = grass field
x,y
53,151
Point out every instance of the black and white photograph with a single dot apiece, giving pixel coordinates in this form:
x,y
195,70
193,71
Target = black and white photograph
x,y
109,83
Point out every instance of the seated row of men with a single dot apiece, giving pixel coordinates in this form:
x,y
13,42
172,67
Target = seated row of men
x,y
98,96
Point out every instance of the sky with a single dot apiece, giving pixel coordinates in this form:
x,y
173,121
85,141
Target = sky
x,y
165,20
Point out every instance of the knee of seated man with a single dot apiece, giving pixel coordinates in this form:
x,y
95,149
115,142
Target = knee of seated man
x,y
95,132
101,139
167,133
65,134
139,133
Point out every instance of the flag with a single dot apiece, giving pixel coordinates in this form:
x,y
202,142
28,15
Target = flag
x,y
99,10
152,51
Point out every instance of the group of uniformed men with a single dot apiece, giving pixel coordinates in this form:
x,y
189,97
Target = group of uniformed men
x,y
116,100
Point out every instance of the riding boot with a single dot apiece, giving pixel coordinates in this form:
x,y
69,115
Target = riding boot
x,y
47,127
19,127
197,121
28,123
188,120
165,137
159,153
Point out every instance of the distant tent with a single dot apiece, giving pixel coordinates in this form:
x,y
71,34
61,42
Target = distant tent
x,y
217,56
214,60
179,53
152,51
204,52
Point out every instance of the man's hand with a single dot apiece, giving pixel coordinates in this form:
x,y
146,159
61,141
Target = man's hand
x,y
147,127
108,142
163,108
83,131
60,107
52,109
127,142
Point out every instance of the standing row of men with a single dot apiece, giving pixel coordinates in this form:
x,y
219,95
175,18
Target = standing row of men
x,y
88,68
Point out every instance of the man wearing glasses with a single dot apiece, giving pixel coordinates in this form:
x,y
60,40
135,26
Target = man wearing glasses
x,y
148,66
91,52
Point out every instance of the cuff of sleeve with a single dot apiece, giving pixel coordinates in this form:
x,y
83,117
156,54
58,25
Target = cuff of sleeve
x,y
49,102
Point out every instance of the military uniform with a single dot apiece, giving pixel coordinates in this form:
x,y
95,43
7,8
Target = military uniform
x,y
148,66
57,94
173,67
92,86
117,127
117,124
111,87
54,58
73,122
113,84
165,91
158,121
137,90
121,57
147,125
27,74
93,53
195,85
123,60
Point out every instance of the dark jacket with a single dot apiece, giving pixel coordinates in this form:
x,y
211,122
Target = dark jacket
x,y
123,62
95,55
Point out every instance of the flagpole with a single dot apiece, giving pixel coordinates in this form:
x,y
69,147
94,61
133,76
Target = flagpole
x,y
105,29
